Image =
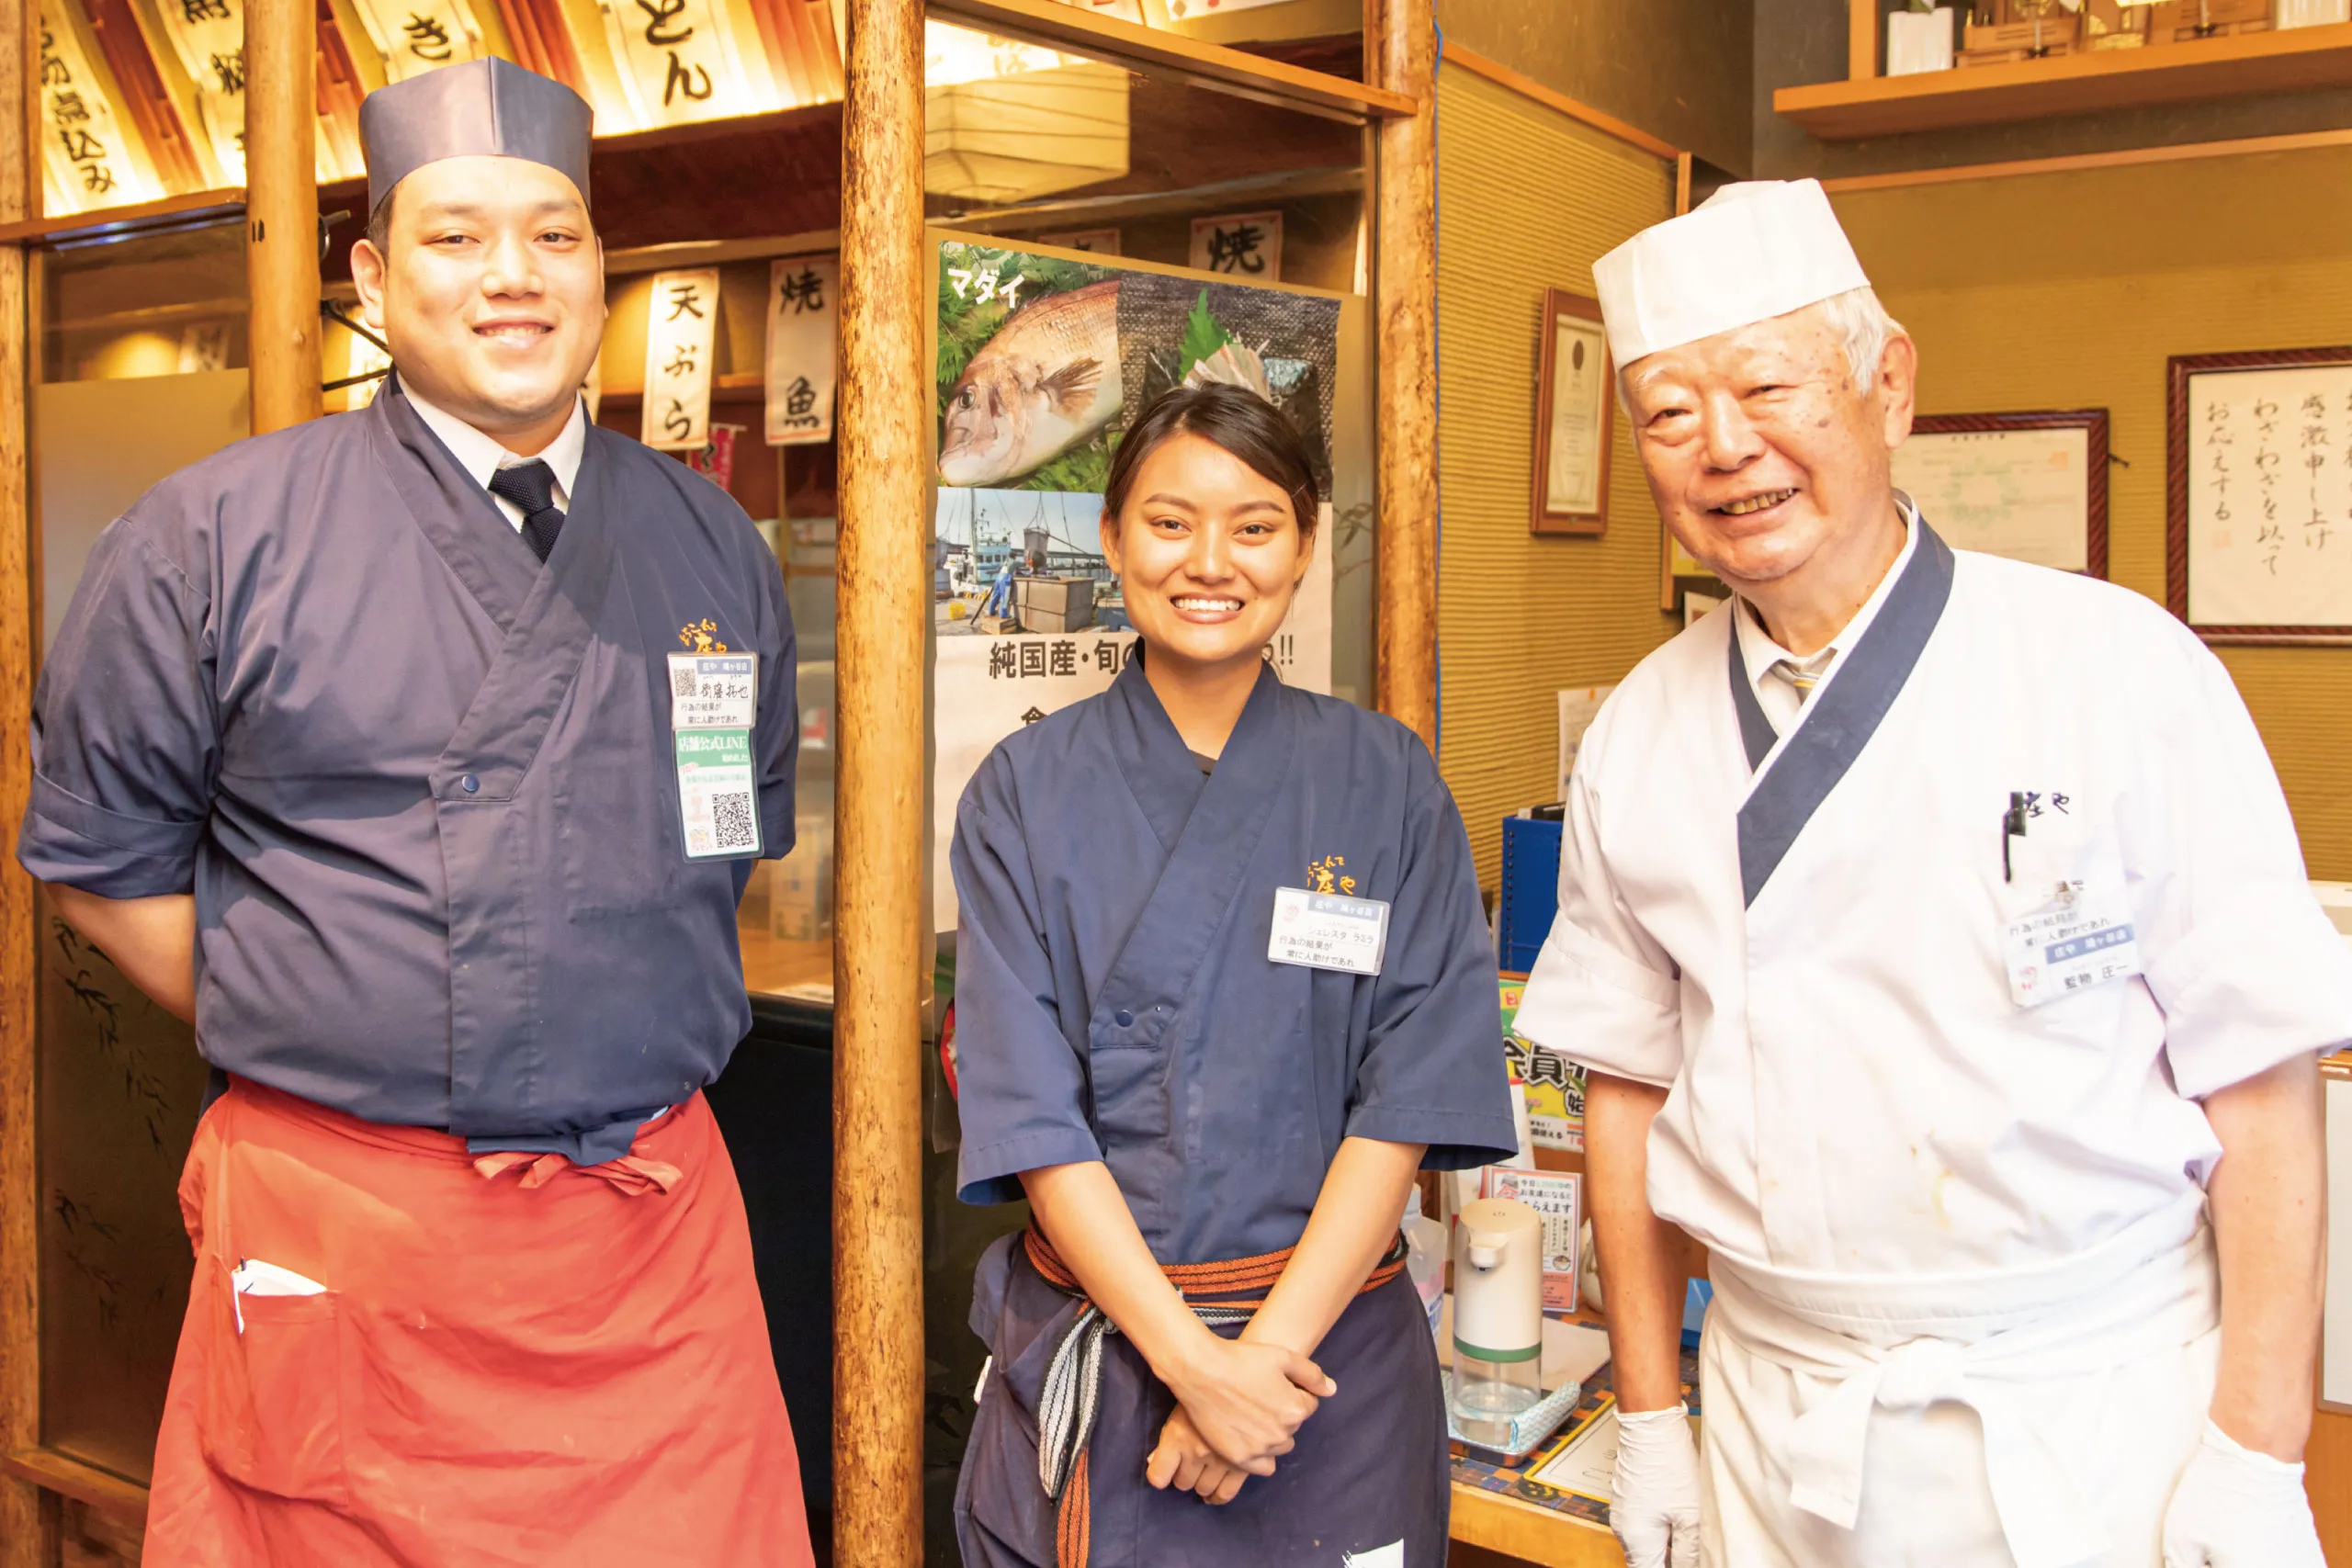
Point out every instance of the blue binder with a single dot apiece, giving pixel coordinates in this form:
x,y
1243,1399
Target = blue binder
x,y
1530,890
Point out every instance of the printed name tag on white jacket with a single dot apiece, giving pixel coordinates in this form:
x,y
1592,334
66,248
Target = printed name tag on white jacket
x,y
1324,931
2070,924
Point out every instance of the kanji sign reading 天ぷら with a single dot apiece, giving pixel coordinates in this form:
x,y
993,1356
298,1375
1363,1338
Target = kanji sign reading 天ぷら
x,y
802,295
680,334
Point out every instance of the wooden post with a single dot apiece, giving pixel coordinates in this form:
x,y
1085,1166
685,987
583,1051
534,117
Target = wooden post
x,y
282,210
1405,298
27,1522
879,958
1861,39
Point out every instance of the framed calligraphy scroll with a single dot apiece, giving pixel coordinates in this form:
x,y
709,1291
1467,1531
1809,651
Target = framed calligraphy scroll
x,y
1576,403
2258,495
2029,486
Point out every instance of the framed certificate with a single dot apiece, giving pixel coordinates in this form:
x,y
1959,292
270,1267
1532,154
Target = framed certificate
x,y
2029,486
1575,402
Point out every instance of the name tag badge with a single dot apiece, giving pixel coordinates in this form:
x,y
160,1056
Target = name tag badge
x,y
2081,936
1323,930
714,698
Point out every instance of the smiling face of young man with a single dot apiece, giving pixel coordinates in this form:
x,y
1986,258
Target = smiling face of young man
x,y
1772,465
489,291
1209,553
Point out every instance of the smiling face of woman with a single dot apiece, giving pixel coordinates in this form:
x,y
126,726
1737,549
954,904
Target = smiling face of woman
x,y
1210,554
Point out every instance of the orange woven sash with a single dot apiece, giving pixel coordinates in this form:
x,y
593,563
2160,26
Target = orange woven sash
x,y
1220,1293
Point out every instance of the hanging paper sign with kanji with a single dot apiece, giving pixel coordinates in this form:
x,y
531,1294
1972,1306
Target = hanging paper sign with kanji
x,y
1245,245
678,60
417,36
208,36
681,334
88,156
802,294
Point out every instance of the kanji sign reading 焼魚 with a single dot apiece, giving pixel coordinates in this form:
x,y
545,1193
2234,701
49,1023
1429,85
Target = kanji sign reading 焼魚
x,y
802,295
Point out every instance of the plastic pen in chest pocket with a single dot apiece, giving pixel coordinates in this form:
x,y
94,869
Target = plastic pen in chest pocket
x,y
2012,826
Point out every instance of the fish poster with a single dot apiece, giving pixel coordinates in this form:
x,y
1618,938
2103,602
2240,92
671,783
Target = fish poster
x,y
1042,360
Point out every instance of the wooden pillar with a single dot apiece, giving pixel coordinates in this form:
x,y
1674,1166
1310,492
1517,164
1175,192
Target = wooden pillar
x,y
1861,39
28,1523
282,210
1405,298
879,959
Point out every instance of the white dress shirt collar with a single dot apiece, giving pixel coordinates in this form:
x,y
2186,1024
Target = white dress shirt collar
x,y
1759,650
481,456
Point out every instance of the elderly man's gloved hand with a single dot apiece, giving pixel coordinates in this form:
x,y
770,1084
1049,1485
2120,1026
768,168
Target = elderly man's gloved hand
x,y
2237,1508
1654,1503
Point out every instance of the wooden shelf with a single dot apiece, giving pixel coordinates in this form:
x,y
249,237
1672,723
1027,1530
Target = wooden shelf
x,y
1056,26
85,1482
1526,1533
2292,60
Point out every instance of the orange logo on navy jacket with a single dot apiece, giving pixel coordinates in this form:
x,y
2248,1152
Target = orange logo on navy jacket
x,y
1323,875
701,637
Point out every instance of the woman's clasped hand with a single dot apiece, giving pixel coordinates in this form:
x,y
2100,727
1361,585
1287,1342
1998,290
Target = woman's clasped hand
x,y
1239,1403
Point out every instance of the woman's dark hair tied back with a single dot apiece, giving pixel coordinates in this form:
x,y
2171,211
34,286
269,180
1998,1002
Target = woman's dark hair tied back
x,y
1234,418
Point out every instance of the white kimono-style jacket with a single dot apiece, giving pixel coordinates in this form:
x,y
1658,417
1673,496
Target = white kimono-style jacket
x,y
1801,937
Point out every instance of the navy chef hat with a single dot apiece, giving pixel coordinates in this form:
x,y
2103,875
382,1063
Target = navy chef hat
x,y
485,107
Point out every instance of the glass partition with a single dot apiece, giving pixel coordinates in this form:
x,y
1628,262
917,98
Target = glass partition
x,y
142,362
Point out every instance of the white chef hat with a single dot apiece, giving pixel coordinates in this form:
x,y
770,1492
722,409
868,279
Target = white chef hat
x,y
1748,253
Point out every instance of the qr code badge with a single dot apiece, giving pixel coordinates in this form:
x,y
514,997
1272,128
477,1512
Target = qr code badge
x,y
736,830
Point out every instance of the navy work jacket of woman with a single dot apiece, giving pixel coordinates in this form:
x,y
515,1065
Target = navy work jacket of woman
x,y
1115,1002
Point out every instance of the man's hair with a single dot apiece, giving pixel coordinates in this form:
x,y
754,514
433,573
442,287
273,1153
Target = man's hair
x,y
1857,317
1861,325
380,223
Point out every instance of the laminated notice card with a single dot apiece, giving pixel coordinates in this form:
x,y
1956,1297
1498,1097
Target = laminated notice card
x,y
1558,1196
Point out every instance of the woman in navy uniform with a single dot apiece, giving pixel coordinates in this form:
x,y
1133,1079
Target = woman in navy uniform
x,y
1182,1034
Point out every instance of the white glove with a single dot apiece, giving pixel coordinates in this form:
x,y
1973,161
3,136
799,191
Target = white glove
x,y
1654,1491
2235,1508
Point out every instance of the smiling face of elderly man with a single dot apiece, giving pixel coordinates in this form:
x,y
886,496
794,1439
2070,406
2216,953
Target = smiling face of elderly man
x,y
1767,448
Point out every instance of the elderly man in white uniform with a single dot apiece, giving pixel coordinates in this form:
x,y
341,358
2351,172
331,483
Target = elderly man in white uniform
x,y
1937,941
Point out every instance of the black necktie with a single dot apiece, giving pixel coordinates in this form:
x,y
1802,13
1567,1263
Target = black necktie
x,y
531,487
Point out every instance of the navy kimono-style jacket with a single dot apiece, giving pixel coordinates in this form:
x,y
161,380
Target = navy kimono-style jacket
x,y
421,787
1115,1001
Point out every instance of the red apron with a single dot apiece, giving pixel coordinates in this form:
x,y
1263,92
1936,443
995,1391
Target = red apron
x,y
516,1362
